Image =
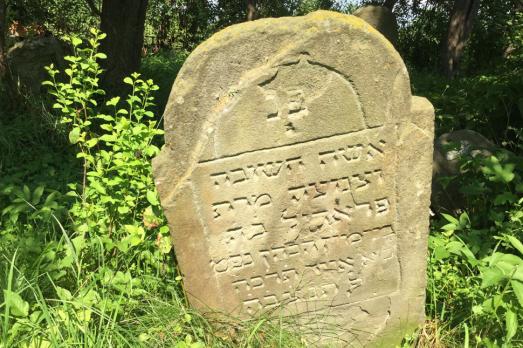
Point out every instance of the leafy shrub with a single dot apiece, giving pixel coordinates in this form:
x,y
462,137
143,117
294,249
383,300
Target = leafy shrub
x,y
476,259
66,283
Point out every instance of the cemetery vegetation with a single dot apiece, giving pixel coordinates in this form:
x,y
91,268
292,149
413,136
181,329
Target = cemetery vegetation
x,y
85,254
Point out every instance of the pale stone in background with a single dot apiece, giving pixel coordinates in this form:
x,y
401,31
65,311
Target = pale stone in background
x,y
449,151
296,177
27,61
382,19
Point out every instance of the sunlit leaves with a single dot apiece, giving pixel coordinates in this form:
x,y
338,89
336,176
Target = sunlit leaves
x,y
497,171
16,304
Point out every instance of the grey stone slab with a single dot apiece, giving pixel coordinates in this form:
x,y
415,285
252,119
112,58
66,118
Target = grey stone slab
x,y
296,178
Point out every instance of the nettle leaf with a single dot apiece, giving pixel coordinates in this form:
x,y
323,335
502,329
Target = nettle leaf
x,y
491,276
79,243
16,304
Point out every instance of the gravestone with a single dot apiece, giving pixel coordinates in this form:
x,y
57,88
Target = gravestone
x,y
296,178
27,61
382,19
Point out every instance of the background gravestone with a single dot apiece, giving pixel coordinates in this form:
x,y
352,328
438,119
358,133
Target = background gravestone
x,y
27,61
382,19
296,175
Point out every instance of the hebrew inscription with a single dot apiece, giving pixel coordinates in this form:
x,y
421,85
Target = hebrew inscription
x,y
316,218
295,178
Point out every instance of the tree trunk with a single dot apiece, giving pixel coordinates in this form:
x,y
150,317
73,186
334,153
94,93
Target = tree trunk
x,y
123,21
251,10
3,31
389,4
459,30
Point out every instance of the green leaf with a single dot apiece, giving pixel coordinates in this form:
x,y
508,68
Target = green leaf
x,y
91,142
108,127
128,80
98,187
164,244
136,234
450,219
504,198
63,294
37,194
123,209
497,172
113,101
18,307
517,287
516,243
76,41
491,276
74,135
464,220
79,243
511,323
108,138
151,198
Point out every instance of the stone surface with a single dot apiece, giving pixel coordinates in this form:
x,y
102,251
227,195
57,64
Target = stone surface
x,y
449,150
296,178
382,19
27,59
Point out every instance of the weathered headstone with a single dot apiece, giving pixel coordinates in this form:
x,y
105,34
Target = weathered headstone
x,y
27,61
449,151
380,18
296,176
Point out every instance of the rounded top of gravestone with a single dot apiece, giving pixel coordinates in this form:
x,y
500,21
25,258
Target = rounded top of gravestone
x,y
253,66
380,18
